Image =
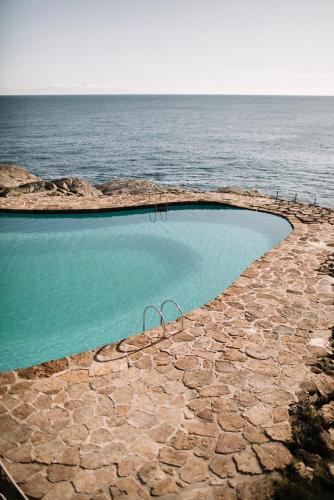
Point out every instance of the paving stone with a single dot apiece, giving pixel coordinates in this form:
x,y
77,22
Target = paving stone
x,y
164,487
128,466
277,397
231,422
128,487
56,473
196,379
23,472
69,457
146,448
113,453
60,491
254,434
223,466
230,443
48,452
273,455
247,463
23,411
205,448
257,353
48,386
259,415
74,435
215,390
221,406
201,428
279,432
142,420
187,363
19,454
13,431
105,476
194,471
84,482
93,460
161,433
183,441
35,487
150,473
100,436
206,414
171,456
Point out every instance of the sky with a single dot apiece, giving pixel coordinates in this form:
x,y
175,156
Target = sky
x,y
167,46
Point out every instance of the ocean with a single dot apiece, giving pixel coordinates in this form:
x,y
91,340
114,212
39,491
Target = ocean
x,y
270,143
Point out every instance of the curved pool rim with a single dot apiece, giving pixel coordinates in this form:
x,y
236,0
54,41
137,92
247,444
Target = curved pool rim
x,y
144,206
140,206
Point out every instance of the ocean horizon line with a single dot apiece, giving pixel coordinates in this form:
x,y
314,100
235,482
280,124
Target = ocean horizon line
x,y
183,94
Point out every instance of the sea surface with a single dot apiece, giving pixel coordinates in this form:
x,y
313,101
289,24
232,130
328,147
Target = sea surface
x,y
283,144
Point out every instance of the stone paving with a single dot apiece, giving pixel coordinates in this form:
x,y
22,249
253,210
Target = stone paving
x,y
202,414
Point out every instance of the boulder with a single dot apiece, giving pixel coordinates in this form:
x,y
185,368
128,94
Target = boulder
x,y
128,186
79,187
15,175
66,185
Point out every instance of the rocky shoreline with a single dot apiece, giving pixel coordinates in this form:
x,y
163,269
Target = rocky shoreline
x,y
15,180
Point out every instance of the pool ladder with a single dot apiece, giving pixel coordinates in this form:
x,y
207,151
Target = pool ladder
x,y
160,206
126,353
162,317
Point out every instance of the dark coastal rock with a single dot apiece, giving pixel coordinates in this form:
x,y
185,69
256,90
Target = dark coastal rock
x,y
15,175
239,191
79,187
67,185
128,186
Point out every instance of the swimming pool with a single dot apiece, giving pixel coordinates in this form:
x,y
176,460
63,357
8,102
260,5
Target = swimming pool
x,y
72,282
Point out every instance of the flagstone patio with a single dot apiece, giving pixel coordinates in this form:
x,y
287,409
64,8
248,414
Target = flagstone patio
x,y
201,414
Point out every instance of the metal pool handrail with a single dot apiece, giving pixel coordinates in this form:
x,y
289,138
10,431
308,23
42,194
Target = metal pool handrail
x,y
150,215
6,473
158,206
162,322
162,318
165,210
179,308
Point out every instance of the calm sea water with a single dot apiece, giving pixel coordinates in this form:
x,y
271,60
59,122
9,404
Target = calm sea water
x,y
202,142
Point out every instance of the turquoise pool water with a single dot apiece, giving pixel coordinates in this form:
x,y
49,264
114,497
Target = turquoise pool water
x,y
76,281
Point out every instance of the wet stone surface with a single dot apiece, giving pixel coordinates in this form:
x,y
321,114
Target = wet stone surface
x,y
202,414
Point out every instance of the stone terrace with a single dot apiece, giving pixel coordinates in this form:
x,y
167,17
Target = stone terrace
x,y
202,414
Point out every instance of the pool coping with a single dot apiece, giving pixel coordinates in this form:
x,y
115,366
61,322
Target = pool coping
x,y
82,369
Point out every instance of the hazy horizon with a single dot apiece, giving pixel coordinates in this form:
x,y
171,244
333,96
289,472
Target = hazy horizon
x,y
161,94
174,47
